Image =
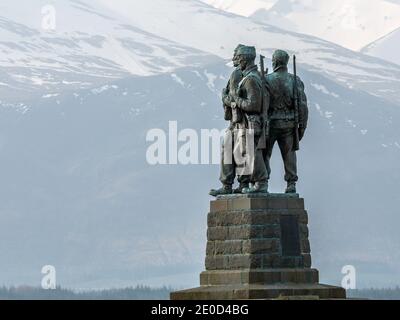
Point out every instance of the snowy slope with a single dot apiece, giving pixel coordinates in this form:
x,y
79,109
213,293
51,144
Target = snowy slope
x,y
388,47
93,207
241,7
110,40
96,47
78,159
350,23
198,25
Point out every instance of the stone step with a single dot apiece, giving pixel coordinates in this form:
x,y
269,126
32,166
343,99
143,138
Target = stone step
x,y
243,202
273,291
271,276
256,261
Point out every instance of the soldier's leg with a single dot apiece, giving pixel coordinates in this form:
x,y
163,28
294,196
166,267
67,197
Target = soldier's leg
x,y
259,169
286,141
228,173
259,177
267,152
239,158
244,182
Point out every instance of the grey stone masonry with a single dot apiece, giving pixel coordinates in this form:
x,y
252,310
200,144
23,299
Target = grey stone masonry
x,y
250,232
258,248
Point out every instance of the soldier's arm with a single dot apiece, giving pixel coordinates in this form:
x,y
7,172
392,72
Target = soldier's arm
x,y
235,79
303,106
226,98
252,104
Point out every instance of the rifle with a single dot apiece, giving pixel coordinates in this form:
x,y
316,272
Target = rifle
x,y
265,133
296,142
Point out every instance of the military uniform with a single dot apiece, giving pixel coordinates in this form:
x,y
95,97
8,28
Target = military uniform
x,y
244,98
250,101
228,168
282,117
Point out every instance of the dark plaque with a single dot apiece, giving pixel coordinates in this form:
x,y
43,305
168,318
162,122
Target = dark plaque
x,y
290,237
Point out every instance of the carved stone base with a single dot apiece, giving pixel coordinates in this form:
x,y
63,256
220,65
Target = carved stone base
x,y
258,248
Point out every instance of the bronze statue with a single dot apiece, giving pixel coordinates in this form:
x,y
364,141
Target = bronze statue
x,y
274,108
246,104
228,170
288,116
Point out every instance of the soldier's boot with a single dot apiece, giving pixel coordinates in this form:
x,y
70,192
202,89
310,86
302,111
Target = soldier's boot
x,y
242,186
291,187
257,188
226,189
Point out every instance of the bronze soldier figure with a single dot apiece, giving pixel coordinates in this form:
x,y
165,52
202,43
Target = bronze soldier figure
x,y
288,116
252,100
247,105
228,170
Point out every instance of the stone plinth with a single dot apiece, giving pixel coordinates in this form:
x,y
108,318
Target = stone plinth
x,y
258,248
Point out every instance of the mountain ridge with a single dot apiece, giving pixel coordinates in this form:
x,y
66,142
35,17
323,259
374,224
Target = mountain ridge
x,y
385,47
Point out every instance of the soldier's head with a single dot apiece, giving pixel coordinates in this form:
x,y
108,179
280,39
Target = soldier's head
x,y
235,58
246,56
280,60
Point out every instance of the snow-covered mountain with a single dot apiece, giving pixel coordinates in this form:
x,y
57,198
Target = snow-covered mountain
x,y
89,45
387,47
78,193
203,27
131,37
241,7
350,23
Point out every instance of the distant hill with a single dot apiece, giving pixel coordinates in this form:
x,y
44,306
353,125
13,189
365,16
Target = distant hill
x,y
386,48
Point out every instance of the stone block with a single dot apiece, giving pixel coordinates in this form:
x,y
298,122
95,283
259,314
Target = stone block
x,y
217,262
271,261
228,247
259,204
240,218
219,206
262,276
222,277
217,233
293,203
265,217
305,246
253,261
307,260
261,246
210,250
242,232
292,262
247,232
240,261
241,204
210,263
304,231
303,217
270,231
279,203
